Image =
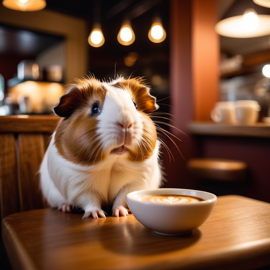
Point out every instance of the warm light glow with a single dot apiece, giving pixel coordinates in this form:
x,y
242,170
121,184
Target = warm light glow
x,y
264,3
246,26
126,35
131,59
156,80
157,33
40,94
250,20
266,71
25,5
35,71
96,38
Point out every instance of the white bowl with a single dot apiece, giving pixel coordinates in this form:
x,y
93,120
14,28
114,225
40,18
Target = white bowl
x,y
171,219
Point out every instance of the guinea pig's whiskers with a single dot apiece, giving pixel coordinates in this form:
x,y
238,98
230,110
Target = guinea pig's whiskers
x,y
163,104
165,133
171,157
164,130
163,98
161,113
163,123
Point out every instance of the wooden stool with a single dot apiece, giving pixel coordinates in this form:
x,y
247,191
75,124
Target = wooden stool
x,y
218,169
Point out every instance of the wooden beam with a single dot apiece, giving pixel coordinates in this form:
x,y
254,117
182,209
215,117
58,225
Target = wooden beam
x,y
205,57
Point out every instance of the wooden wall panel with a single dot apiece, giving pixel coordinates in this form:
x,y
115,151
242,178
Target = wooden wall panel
x,y
205,57
9,197
31,152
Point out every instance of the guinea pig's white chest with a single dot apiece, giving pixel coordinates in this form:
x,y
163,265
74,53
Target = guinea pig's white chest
x,y
111,178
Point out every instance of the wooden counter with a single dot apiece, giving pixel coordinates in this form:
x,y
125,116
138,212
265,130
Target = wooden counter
x,y
261,130
236,236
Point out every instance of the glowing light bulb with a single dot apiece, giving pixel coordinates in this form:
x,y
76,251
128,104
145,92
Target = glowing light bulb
x,y
25,5
250,20
96,38
157,33
126,35
266,71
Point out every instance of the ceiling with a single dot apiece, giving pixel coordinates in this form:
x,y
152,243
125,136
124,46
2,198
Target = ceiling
x,y
30,43
108,11
103,10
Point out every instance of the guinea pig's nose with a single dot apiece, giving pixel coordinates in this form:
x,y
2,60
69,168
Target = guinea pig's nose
x,y
125,126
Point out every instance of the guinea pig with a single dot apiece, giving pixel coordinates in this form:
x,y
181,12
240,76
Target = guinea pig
x,y
104,147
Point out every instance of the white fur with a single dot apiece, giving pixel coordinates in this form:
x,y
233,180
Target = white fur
x,y
109,181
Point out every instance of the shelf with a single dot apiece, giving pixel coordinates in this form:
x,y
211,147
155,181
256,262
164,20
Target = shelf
x,y
261,130
250,64
15,81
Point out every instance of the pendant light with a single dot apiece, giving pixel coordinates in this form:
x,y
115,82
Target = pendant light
x,y
96,38
264,3
157,33
25,5
248,25
126,34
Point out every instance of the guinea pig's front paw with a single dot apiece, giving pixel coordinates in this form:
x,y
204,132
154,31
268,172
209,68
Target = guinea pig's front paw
x,y
94,214
65,208
120,211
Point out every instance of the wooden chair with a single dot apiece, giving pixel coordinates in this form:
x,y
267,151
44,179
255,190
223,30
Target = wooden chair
x,y
23,142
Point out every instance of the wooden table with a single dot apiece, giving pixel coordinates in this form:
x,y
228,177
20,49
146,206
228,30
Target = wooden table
x,y
236,236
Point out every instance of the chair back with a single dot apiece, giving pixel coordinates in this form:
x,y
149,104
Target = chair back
x,y
23,142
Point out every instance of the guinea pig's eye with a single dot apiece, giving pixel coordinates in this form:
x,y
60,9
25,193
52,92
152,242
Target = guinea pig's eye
x,y
135,104
95,109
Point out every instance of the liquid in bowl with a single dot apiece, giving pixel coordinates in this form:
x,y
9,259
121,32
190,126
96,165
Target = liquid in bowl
x,y
170,199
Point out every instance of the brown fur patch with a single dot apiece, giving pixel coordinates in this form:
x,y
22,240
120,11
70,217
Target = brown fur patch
x,y
139,93
78,96
75,138
147,146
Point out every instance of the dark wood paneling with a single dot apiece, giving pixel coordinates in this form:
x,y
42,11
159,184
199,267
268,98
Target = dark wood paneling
x,y
30,152
9,198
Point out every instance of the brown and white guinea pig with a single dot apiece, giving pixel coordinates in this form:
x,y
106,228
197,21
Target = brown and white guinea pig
x,y
104,147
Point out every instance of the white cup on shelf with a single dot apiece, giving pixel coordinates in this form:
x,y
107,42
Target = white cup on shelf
x,y
247,111
223,112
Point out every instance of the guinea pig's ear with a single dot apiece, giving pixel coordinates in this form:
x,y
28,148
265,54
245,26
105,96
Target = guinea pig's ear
x,y
146,100
69,102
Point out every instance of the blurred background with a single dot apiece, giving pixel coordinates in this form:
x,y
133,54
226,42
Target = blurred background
x,y
189,63
192,53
